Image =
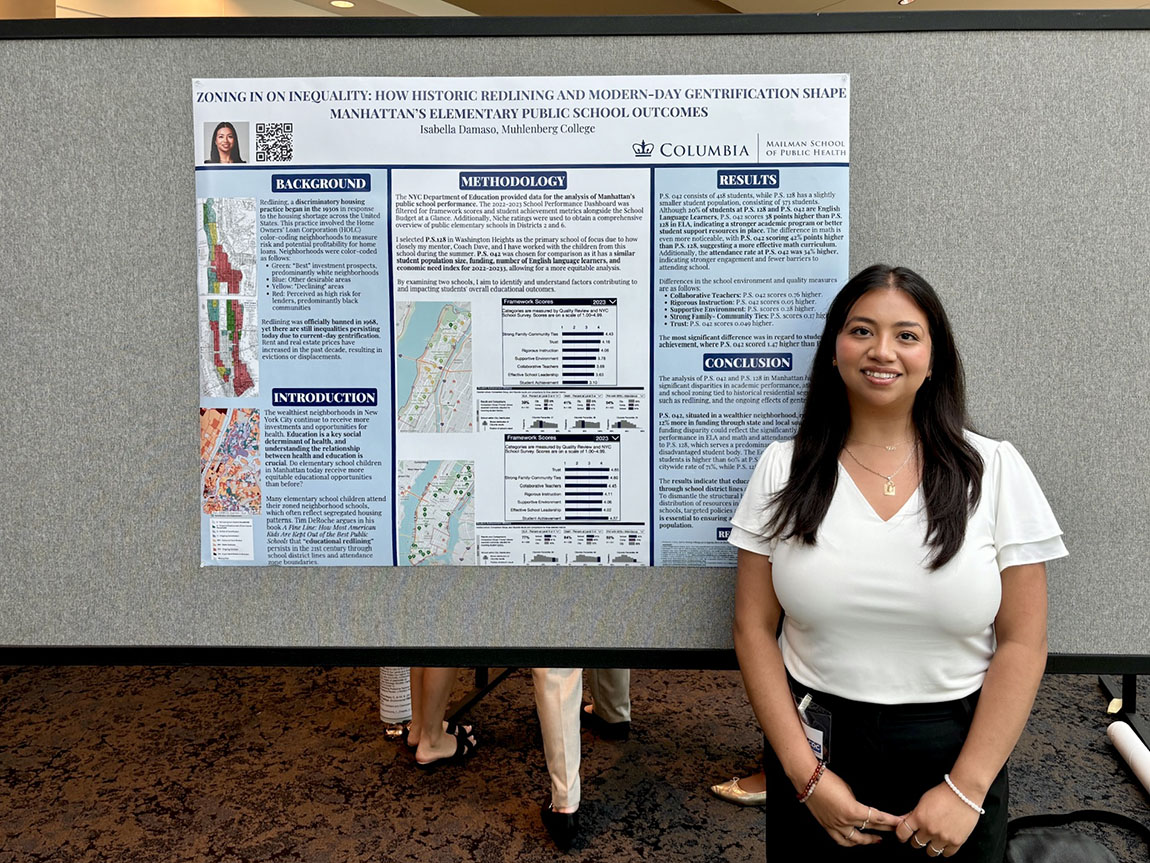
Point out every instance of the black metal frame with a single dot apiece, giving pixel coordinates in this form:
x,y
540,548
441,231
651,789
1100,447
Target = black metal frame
x,y
618,25
481,657
1123,696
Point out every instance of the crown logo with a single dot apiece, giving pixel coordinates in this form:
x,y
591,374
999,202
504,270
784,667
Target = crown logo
x,y
643,148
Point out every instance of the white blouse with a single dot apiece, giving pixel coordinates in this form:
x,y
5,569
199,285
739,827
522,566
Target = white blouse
x,y
866,619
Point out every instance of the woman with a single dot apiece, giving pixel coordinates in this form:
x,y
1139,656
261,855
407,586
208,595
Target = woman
x,y
225,145
908,555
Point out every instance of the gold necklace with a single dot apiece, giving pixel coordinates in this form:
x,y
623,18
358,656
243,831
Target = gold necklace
x,y
890,448
889,489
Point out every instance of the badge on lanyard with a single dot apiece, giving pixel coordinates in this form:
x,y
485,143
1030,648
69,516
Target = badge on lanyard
x,y
816,722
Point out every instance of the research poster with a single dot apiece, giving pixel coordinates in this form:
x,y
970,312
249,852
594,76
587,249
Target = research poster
x,y
505,321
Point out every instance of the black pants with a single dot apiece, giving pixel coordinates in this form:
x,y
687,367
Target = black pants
x,y
889,755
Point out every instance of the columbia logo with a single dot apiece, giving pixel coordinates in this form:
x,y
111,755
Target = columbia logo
x,y
643,148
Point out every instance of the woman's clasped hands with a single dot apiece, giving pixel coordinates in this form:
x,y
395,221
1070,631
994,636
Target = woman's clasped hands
x,y
846,820
939,824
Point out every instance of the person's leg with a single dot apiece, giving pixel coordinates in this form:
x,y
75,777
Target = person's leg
x,y
416,707
435,689
987,844
611,693
793,834
853,752
920,743
558,693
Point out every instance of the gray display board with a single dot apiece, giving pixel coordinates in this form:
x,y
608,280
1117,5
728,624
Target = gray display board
x,y
1007,167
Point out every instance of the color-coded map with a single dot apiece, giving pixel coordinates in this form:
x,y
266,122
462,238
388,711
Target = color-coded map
x,y
230,460
229,348
433,367
227,265
436,512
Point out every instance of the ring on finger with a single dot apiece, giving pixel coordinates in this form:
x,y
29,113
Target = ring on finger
x,y
937,852
849,835
917,843
866,820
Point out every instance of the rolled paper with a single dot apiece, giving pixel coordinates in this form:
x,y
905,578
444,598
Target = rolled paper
x,y
1131,748
394,694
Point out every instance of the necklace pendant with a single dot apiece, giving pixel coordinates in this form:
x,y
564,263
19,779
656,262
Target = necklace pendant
x,y
888,489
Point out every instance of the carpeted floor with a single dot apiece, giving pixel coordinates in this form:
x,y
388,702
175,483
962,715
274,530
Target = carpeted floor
x,y
246,765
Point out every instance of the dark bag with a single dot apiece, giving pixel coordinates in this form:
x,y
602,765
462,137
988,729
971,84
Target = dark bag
x,y
1043,839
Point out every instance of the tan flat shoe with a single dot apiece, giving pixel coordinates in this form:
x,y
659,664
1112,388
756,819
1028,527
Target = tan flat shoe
x,y
733,793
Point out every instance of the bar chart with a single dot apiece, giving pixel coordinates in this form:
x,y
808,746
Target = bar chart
x,y
570,342
565,478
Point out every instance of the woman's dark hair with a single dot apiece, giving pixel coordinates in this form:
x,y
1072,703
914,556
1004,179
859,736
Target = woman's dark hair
x,y
952,467
216,150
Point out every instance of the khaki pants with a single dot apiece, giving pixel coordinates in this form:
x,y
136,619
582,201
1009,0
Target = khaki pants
x,y
558,695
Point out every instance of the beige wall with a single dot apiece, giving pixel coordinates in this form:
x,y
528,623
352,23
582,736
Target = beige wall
x,y
27,8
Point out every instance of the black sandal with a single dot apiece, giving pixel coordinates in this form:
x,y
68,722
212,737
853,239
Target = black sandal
x,y
465,746
456,729
452,728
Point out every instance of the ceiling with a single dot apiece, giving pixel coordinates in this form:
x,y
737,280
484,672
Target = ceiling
x,y
432,8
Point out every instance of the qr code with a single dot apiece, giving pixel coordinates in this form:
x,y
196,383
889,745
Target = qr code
x,y
273,142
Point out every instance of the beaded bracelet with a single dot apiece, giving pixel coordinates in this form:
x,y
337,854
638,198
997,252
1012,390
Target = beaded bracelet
x,y
806,793
962,796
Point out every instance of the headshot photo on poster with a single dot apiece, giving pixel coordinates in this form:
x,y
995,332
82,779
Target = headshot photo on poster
x,y
224,143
